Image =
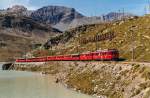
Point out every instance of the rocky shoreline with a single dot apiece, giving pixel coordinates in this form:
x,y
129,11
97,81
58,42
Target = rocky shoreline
x,y
99,79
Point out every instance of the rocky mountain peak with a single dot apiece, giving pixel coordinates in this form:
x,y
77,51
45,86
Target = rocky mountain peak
x,y
17,8
56,14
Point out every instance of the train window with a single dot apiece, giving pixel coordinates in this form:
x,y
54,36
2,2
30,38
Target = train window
x,y
103,53
83,54
109,53
75,55
96,53
113,53
89,54
67,56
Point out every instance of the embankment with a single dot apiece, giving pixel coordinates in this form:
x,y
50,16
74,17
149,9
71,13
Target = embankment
x,y
102,79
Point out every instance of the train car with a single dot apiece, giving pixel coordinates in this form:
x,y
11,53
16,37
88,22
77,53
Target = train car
x,y
64,57
115,54
38,59
97,56
59,58
75,57
29,60
101,55
86,56
106,55
20,60
51,58
41,59
67,58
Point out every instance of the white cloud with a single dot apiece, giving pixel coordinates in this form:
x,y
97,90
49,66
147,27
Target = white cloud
x,y
9,3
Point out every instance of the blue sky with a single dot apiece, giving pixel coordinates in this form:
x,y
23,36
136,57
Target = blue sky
x,y
86,7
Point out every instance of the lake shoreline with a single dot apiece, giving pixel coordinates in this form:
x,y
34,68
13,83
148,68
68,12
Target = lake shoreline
x,y
102,80
33,80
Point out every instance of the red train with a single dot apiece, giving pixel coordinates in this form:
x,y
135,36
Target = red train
x,y
102,55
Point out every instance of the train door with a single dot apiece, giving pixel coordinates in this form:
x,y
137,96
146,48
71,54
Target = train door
x,y
75,57
102,56
90,56
109,55
97,56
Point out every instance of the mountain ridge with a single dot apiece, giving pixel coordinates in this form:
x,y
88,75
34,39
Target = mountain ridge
x,y
63,18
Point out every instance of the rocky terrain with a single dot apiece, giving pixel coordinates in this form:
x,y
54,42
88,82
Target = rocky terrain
x,y
99,79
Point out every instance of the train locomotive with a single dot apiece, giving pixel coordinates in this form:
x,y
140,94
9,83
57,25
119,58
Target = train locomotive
x,y
101,55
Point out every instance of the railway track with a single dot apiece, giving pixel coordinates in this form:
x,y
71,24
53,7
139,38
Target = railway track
x,y
140,63
117,62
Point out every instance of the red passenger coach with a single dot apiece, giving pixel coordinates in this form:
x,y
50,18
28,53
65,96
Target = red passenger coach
x,y
75,57
38,59
58,58
67,58
106,55
86,56
115,54
41,59
102,55
20,60
51,58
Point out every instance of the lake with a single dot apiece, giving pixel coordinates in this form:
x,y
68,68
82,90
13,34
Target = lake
x,y
17,84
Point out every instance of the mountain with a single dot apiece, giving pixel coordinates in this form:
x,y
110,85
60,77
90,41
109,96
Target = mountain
x,y
61,17
19,33
116,16
27,25
55,15
18,10
78,22
64,18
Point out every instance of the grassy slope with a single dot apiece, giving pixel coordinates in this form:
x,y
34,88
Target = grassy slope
x,y
19,36
15,47
122,41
